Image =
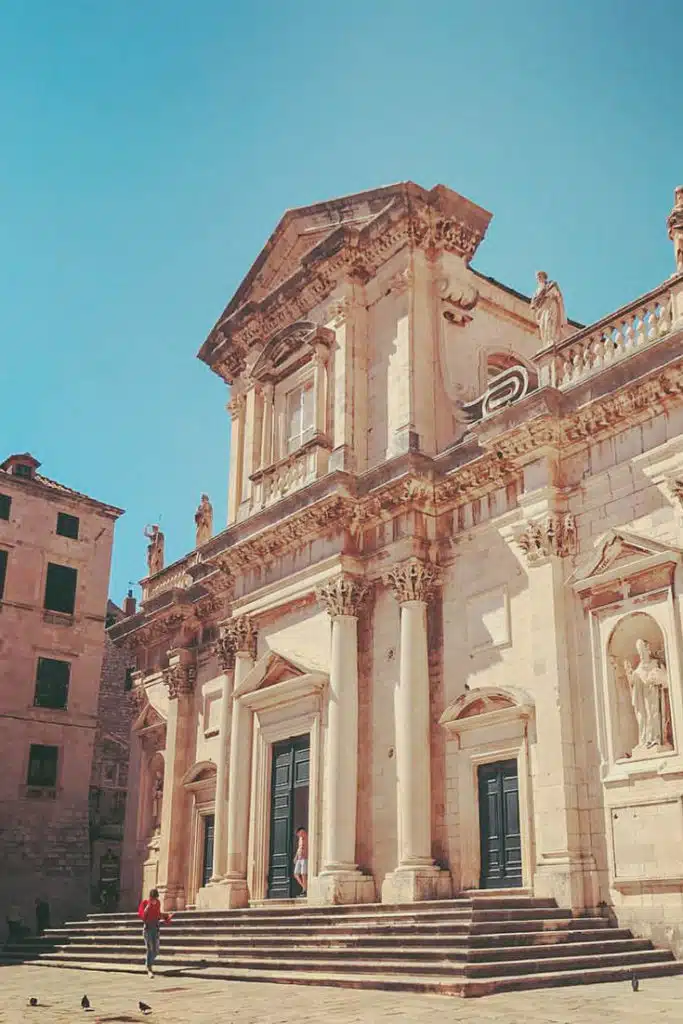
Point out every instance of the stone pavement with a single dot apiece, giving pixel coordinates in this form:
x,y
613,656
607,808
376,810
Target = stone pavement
x,y
114,998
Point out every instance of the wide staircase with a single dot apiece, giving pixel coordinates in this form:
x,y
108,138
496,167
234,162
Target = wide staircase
x,y
471,946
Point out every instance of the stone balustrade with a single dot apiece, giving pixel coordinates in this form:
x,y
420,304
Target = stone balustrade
x,y
290,474
616,337
176,576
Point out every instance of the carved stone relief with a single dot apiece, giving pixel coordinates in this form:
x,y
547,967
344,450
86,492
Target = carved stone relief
x,y
556,535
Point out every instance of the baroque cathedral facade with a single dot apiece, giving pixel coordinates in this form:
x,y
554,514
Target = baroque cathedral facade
x,y
441,630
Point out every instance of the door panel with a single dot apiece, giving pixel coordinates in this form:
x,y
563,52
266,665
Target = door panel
x,y
207,861
501,845
289,787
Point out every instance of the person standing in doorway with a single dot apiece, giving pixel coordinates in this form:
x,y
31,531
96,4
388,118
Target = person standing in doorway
x,y
301,859
152,916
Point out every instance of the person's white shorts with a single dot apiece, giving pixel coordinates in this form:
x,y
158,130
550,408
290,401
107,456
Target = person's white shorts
x,y
301,867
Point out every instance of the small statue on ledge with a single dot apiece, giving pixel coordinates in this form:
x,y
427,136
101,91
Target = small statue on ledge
x,y
548,306
203,518
155,549
675,226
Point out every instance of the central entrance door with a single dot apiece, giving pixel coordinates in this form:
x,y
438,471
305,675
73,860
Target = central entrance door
x,y
207,854
501,842
288,812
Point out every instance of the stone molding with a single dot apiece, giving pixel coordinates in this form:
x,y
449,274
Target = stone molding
x,y
676,490
413,580
343,595
180,680
242,634
553,535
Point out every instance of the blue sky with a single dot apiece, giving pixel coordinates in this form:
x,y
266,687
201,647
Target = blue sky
x,y
149,147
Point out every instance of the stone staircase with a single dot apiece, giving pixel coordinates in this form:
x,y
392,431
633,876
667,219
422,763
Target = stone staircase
x,y
471,946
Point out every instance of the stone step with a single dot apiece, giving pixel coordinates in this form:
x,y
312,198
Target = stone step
x,y
405,982
300,921
339,953
568,963
549,936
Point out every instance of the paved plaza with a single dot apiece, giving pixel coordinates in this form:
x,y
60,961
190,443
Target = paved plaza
x,y
114,998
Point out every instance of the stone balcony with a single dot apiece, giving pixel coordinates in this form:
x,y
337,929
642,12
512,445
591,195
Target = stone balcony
x,y
296,470
634,327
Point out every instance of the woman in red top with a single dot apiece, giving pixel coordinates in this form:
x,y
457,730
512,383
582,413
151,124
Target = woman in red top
x,y
151,913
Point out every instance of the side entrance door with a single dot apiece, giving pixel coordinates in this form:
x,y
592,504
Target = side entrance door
x,y
207,860
288,811
501,844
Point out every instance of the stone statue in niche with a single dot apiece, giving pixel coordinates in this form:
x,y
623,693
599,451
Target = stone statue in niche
x,y
548,307
157,800
155,549
649,685
203,518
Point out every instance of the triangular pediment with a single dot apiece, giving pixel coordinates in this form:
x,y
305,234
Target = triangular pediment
x,y
619,551
149,718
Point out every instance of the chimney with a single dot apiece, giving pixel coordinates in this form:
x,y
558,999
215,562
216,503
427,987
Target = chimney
x,y
129,605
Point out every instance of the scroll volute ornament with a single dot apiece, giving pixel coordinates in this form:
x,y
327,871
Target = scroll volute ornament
x,y
413,580
343,595
180,680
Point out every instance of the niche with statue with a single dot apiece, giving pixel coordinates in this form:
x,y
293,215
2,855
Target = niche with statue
x,y
641,715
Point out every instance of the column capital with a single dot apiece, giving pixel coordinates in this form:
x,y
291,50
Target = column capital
x,y
180,679
343,595
224,649
413,580
242,634
236,404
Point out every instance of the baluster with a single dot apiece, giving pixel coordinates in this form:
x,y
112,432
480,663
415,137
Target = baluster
x,y
641,335
598,349
618,340
564,370
587,361
651,325
664,316
577,364
629,335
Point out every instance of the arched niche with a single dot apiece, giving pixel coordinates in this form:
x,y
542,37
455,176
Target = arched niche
x,y
641,723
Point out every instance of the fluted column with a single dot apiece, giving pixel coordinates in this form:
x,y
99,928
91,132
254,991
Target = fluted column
x,y
226,658
415,877
243,636
179,677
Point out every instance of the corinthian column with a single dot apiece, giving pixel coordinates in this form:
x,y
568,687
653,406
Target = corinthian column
x,y
243,636
416,877
226,658
340,881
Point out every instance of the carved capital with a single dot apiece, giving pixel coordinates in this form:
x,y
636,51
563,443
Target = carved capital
x,y
401,281
555,535
137,698
676,490
225,651
243,635
236,404
413,580
343,595
180,680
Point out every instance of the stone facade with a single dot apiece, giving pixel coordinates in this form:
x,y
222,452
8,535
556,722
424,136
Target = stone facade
x,y
109,776
55,554
451,565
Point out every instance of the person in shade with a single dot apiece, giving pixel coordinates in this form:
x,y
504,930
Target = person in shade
x,y
42,915
152,915
301,859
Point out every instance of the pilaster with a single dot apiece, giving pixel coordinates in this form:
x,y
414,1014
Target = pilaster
x,y
179,677
236,408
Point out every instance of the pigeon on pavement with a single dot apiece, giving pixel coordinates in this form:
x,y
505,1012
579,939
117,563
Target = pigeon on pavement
x,y
144,1007
85,1003
635,984
33,1001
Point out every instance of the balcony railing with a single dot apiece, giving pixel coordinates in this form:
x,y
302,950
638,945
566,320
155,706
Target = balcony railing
x,y
174,576
295,471
632,328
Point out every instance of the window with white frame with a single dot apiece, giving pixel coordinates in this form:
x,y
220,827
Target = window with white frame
x,y
299,415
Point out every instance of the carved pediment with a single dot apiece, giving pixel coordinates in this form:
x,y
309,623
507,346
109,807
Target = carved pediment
x,y
149,718
476,707
200,774
289,349
625,564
